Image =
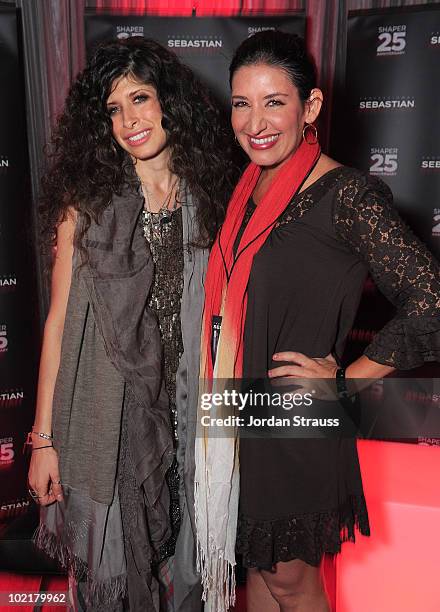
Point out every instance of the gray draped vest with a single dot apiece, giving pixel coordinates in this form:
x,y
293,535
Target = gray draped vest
x,y
111,361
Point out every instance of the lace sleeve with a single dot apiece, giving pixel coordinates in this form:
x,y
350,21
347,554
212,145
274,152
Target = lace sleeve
x,y
402,268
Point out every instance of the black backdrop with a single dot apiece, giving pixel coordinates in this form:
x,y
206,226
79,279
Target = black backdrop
x,y
391,121
19,316
205,44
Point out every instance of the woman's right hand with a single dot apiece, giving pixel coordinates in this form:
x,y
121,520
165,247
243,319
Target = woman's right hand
x,y
44,476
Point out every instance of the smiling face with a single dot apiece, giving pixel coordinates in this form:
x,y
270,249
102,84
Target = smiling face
x,y
136,116
268,115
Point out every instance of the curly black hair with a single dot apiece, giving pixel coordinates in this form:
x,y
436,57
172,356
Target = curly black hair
x,y
86,165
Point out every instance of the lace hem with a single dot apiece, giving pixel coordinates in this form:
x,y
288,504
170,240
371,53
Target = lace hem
x,y
406,344
306,537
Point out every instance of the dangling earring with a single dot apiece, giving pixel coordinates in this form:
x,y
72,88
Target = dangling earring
x,y
313,134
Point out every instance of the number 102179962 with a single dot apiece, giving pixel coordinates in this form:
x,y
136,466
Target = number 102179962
x,y
26,598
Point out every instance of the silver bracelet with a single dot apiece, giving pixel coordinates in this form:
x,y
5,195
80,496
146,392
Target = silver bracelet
x,y
45,436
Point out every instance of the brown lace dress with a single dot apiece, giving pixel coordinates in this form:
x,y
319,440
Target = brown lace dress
x,y
300,498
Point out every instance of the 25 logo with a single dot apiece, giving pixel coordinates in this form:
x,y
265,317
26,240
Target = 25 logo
x,y
384,163
3,340
392,42
6,451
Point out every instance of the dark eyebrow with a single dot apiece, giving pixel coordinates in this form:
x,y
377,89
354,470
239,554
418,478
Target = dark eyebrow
x,y
132,94
135,93
271,95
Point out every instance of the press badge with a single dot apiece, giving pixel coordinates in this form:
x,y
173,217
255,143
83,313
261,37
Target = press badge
x,y
215,335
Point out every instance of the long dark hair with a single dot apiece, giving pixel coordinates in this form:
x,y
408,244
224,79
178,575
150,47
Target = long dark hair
x,y
86,165
282,50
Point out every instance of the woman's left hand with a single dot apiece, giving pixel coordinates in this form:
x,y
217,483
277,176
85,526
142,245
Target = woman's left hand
x,y
303,366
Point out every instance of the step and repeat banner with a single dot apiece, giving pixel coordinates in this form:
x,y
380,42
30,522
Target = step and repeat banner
x,y
392,110
19,314
205,44
388,124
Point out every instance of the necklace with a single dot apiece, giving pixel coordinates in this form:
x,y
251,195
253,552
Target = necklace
x,y
154,221
164,208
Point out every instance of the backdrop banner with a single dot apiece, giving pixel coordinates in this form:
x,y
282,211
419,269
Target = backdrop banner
x,y
19,316
205,44
388,124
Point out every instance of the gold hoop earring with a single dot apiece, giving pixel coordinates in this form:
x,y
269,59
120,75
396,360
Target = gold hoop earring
x,y
314,134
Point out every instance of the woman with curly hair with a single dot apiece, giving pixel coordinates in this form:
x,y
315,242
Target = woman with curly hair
x,y
135,192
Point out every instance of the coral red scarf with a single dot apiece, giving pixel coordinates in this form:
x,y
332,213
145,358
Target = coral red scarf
x,y
216,456
228,275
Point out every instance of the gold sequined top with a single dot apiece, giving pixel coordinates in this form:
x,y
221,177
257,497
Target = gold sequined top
x,y
165,241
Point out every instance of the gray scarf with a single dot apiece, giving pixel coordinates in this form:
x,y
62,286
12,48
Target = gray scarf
x,y
110,360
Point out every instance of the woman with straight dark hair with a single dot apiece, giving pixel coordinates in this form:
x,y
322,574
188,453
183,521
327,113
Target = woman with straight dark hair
x,y
286,275
136,189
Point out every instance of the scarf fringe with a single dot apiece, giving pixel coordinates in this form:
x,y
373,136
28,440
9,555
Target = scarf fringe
x,y
98,592
217,573
217,577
